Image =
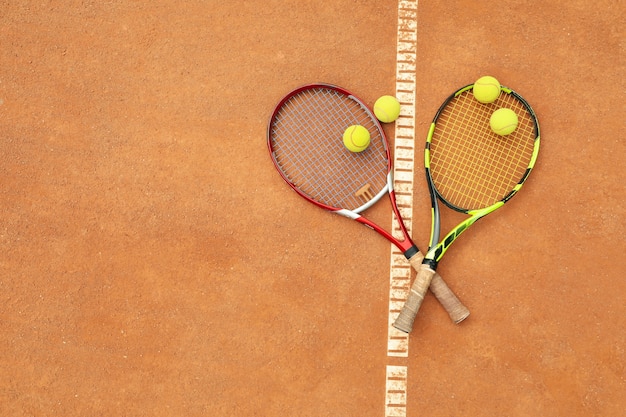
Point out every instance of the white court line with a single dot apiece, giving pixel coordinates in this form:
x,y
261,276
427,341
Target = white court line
x,y
395,391
404,158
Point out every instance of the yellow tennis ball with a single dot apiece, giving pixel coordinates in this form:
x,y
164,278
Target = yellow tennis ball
x,y
503,121
387,109
486,89
356,138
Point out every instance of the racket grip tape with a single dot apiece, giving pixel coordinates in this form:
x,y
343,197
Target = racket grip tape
x,y
455,308
405,319
447,298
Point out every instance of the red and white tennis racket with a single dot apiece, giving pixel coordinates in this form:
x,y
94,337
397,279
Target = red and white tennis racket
x,y
304,137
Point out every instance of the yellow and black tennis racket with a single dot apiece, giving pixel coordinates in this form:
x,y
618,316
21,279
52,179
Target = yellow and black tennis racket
x,y
470,169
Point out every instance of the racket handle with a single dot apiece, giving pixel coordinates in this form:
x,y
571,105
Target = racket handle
x,y
448,299
455,308
405,319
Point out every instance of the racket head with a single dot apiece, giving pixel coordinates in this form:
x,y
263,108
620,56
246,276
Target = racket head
x,y
305,141
470,167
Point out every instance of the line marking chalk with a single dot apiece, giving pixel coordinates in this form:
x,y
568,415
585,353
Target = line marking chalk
x,y
404,161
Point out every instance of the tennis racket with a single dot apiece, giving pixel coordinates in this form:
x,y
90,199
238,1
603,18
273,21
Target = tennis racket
x,y
304,137
471,170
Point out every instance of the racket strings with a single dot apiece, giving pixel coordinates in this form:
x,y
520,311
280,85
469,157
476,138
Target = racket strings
x,y
307,143
471,166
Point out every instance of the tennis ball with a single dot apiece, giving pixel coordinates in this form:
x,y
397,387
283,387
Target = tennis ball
x,y
503,121
387,109
486,89
356,138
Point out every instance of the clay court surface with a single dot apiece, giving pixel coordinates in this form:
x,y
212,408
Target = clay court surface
x,y
153,263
